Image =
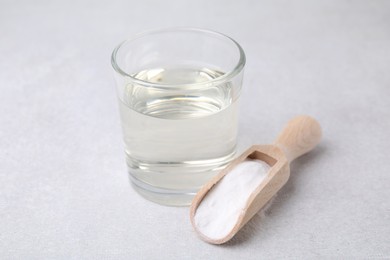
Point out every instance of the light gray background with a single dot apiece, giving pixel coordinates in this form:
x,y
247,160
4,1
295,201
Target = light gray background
x,y
64,191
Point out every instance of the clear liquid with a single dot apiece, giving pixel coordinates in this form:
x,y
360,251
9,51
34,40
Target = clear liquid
x,y
177,139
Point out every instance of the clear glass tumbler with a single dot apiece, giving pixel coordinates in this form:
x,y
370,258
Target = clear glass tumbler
x,y
178,93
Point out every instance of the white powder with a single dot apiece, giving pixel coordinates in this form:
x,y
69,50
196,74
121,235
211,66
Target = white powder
x,y
220,209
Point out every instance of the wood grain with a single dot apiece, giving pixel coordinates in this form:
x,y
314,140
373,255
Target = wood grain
x,y
300,135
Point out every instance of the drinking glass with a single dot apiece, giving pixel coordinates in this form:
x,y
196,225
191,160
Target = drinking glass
x,y
178,92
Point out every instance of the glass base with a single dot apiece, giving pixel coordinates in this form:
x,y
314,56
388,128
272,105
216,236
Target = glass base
x,y
173,183
163,196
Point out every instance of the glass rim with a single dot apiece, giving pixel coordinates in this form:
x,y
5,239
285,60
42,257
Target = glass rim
x,y
224,78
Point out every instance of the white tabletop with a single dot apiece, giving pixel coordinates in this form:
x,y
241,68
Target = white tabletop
x,y
64,190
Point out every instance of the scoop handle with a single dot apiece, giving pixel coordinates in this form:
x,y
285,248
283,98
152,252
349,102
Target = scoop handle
x,y
300,135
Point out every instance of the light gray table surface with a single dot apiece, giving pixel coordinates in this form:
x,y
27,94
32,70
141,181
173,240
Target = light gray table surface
x,y
64,190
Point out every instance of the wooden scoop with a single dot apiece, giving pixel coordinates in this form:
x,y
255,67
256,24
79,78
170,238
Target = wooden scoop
x,y
300,136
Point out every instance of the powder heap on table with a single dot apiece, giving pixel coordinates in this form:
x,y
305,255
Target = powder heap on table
x,y
222,206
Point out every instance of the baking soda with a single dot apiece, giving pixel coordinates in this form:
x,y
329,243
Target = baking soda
x,y
222,206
